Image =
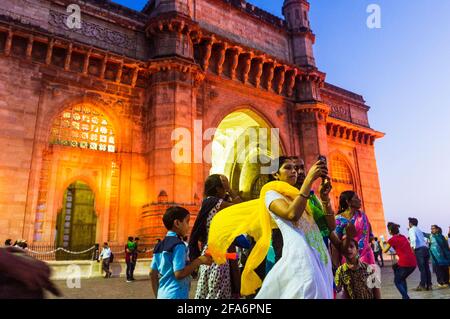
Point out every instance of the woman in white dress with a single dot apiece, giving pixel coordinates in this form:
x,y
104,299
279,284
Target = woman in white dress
x,y
304,270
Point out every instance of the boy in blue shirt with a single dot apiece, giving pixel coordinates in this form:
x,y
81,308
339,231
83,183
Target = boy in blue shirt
x,y
171,269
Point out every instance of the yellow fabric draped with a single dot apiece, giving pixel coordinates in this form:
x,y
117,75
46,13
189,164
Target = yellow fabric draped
x,y
250,218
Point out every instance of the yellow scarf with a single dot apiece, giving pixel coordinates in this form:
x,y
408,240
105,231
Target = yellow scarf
x,y
250,218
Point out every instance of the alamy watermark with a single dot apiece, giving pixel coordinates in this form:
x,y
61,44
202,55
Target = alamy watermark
x,y
189,146
374,18
73,20
73,276
374,278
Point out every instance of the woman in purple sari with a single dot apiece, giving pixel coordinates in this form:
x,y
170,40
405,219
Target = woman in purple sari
x,y
351,221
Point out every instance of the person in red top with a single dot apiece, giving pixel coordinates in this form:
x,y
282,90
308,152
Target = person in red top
x,y
407,262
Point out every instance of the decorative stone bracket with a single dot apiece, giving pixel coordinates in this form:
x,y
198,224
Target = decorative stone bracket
x,y
254,67
181,65
171,22
318,109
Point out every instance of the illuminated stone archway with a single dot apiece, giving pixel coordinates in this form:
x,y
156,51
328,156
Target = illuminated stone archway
x,y
82,145
242,145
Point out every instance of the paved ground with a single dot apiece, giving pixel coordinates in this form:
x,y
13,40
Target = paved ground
x,y
117,288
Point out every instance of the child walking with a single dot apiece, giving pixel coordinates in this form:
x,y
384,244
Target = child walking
x,y
354,276
170,269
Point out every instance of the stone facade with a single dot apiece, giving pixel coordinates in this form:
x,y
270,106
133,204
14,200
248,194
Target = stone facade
x,y
149,73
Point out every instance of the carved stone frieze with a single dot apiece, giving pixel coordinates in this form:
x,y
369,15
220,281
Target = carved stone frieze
x,y
93,30
340,112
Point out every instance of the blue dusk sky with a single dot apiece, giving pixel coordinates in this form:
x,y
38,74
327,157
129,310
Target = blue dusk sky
x,y
402,70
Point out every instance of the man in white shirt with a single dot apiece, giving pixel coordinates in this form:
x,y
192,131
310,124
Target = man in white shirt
x,y
419,244
377,252
105,256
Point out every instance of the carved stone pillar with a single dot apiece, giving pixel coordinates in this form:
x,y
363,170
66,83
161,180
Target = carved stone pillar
x,y
207,53
8,44
281,79
335,130
258,71
221,58
119,73
270,75
135,76
103,67
29,47
86,62
247,66
48,58
235,62
360,136
348,133
68,57
291,82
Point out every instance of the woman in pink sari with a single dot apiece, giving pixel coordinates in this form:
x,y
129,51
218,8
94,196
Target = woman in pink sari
x,y
350,215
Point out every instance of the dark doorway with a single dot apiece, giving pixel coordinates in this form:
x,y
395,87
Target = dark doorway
x,y
76,223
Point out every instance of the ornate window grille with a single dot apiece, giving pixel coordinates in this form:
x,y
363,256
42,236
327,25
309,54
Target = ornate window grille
x,y
84,127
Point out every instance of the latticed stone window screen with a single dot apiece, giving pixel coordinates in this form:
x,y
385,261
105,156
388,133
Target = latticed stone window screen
x,y
340,171
84,127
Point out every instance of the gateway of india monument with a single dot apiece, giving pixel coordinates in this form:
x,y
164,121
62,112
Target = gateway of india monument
x,y
89,107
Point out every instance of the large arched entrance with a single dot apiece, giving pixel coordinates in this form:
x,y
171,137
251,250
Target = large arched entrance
x,y
242,148
77,221
82,145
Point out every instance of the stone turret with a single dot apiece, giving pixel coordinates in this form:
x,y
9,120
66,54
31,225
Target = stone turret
x,y
168,28
302,37
158,7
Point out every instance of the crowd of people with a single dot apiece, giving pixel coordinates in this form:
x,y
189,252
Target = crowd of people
x,y
288,243
131,250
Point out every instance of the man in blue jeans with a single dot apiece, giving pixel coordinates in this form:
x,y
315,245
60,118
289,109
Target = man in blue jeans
x,y
418,243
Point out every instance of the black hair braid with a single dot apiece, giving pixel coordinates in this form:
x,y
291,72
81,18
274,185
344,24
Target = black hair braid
x,y
199,231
